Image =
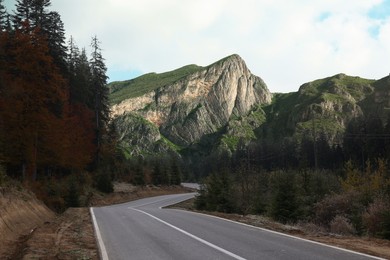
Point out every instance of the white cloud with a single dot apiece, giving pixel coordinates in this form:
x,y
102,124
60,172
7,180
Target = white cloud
x,y
287,43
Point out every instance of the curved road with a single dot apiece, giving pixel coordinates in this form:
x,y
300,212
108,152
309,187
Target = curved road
x,y
142,229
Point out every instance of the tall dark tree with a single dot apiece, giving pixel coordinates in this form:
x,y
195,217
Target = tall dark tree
x,y
79,76
375,138
37,14
53,28
22,14
84,93
386,134
3,16
175,173
100,91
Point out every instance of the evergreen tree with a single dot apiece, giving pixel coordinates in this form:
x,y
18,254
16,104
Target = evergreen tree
x,y
386,134
79,76
284,199
39,13
3,17
139,177
175,173
53,28
375,142
23,14
83,91
100,91
323,152
157,174
36,14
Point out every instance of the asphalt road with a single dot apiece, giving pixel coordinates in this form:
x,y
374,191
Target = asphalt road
x,y
142,229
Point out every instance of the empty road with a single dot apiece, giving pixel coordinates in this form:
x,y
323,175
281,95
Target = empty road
x,y
142,229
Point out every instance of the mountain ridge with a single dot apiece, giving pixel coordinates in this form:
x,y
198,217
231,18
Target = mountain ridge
x,y
222,103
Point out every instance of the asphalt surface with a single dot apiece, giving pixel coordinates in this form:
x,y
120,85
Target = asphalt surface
x,y
143,229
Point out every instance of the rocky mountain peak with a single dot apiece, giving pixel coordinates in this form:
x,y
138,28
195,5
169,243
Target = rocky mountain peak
x,y
200,102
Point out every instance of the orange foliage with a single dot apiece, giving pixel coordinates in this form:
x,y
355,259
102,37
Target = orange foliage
x,y
39,127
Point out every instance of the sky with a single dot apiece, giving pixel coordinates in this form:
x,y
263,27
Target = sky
x,y
286,43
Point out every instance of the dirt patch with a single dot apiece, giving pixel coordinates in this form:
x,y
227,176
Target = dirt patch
x,y
71,235
20,214
366,245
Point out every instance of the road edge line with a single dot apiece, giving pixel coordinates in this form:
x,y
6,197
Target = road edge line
x,y
283,234
101,248
220,249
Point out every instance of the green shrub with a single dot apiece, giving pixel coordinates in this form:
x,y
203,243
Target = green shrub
x,y
283,207
103,182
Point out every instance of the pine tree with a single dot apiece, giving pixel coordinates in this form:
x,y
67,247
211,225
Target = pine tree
x,y
157,174
100,91
40,13
175,173
284,199
36,14
3,17
53,28
22,14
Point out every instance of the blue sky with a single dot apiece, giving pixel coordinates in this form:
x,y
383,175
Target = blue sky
x,y
287,43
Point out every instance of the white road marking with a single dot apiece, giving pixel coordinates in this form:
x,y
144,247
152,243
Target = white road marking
x,y
192,236
102,248
282,234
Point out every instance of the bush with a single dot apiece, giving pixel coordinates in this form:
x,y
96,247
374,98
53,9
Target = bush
x,y
376,219
346,204
103,182
216,194
342,226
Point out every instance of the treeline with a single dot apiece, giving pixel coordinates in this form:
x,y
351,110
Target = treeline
x,y
341,188
53,98
365,138
148,170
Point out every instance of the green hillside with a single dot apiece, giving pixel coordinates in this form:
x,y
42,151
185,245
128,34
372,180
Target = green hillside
x,y
121,90
321,100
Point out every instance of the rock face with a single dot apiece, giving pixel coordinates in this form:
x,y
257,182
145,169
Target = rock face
x,y
201,103
223,104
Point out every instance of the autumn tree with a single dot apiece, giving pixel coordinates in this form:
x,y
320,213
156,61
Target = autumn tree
x,y
31,101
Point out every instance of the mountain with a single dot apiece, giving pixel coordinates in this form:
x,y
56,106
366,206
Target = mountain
x,y
195,108
185,107
325,105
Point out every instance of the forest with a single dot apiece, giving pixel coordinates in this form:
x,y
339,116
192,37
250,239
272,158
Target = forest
x,y
54,107
341,188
